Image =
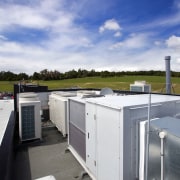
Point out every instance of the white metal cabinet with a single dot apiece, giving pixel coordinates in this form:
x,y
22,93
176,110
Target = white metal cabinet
x,y
108,144
113,140
51,108
61,115
58,105
102,144
91,138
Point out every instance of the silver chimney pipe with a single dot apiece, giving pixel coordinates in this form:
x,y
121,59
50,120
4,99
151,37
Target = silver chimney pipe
x,y
168,74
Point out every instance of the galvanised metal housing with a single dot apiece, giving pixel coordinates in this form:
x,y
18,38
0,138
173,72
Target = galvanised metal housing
x,y
169,168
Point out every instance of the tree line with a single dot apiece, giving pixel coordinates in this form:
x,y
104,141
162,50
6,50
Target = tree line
x,y
80,73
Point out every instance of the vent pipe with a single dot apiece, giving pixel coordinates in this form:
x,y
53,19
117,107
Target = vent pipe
x,y
168,74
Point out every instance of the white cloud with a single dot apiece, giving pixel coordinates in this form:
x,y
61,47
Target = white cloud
x,y
45,15
163,22
177,4
21,16
4,38
69,45
157,43
111,25
173,42
135,41
178,60
117,34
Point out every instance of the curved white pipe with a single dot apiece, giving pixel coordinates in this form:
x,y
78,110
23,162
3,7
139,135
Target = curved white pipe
x,y
162,135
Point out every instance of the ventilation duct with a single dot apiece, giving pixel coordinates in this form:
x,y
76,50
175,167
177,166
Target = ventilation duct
x,y
168,74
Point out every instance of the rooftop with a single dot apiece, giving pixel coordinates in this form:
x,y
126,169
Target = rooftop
x,y
36,159
50,156
46,157
6,106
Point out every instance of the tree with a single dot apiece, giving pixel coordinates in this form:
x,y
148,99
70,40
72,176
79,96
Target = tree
x,y
22,76
36,76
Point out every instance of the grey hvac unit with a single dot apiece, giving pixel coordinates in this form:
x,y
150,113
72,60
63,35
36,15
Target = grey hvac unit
x,y
112,134
169,168
77,124
77,135
140,86
58,105
29,116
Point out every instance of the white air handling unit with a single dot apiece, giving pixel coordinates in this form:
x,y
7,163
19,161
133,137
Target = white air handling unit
x,y
77,123
112,135
58,106
29,116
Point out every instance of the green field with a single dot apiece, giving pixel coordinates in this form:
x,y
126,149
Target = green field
x,y
118,83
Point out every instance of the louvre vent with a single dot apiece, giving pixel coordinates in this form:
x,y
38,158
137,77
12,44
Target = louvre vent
x,y
28,122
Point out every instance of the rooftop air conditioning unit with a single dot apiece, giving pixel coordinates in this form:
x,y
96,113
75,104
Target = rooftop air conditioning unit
x,y
29,116
77,131
58,105
77,124
140,86
111,132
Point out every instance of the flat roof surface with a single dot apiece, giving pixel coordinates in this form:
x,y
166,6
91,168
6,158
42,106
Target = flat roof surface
x,y
118,102
6,107
46,157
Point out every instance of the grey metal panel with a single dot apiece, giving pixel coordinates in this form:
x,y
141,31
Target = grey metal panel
x,y
168,109
172,158
154,167
132,116
177,108
137,88
172,149
147,88
77,114
77,139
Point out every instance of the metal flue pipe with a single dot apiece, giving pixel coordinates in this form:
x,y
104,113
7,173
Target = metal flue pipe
x,y
168,74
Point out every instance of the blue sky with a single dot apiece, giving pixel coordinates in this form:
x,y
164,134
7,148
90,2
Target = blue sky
x,y
116,35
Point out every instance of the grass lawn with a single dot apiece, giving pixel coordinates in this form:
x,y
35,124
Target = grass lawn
x,y
6,86
118,83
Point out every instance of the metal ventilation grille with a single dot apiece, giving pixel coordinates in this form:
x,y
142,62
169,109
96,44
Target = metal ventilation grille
x,y
77,135
28,122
